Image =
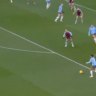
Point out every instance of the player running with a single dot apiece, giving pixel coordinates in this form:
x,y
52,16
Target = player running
x,y
60,13
92,32
92,61
68,37
79,14
48,4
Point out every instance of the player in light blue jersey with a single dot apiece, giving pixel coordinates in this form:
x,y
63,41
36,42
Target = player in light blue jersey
x,y
92,61
60,13
48,3
92,32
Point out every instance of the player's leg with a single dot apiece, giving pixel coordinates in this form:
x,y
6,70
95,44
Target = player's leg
x,y
76,19
81,18
94,38
94,68
48,5
91,72
66,42
61,17
72,43
57,17
11,1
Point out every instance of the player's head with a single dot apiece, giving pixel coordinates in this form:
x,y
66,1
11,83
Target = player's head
x,y
78,9
92,55
92,25
66,30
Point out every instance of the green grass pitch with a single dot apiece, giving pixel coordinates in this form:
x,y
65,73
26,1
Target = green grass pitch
x,y
33,59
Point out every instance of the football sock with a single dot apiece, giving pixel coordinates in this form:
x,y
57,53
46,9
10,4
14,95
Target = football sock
x,y
11,1
47,6
65,44
56,18
61,19
95,40
91,73
72,44
75,21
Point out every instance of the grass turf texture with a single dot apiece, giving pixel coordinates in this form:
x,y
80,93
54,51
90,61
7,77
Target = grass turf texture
x,y
36,74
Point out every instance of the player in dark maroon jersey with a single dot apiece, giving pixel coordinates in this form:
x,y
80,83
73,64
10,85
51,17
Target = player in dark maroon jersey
x,y
79,14
71,4
68,37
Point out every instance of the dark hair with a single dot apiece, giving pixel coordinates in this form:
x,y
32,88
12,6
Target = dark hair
x,y
92,55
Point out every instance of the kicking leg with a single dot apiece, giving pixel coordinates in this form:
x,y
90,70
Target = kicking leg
x,y
57,17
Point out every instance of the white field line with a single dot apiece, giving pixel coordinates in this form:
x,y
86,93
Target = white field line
x,y
45,48
90,9
22,50
25,39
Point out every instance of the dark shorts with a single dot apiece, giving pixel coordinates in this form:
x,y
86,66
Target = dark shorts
x,y
94,66
61,12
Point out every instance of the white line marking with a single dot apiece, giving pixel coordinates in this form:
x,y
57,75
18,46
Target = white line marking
x,y
15,49
90,9
25,39
45,48
71,60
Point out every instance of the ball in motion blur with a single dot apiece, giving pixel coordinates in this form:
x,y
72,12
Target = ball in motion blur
x,y
81,71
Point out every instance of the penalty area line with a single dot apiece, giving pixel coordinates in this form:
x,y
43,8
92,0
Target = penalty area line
x,y
47,49
23,38
21,50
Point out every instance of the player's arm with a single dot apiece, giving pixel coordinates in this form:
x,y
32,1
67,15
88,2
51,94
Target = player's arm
x,y
89,61
64,35
71,33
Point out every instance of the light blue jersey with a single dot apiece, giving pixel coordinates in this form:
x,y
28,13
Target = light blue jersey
x,y
92,30
60,9
92,61
48,1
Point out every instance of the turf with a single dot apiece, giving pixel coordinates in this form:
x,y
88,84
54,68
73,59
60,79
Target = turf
x,y
34,63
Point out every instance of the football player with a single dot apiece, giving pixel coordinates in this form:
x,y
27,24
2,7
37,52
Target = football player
x,y
68,38
92,61
60,13
48,3
79,14
92,32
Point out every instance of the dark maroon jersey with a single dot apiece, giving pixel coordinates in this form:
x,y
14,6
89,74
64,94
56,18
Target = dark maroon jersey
x,y
68,35
71,1
78,12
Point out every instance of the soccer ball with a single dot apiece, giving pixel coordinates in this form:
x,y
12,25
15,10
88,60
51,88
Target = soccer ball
x,y
81,71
